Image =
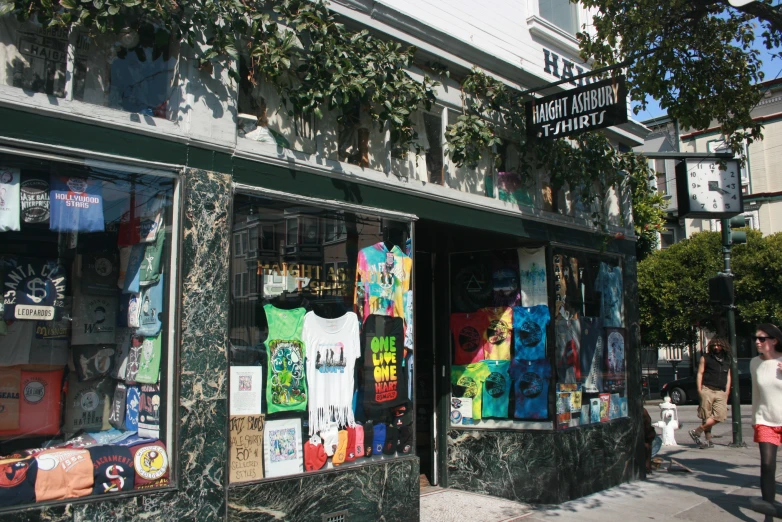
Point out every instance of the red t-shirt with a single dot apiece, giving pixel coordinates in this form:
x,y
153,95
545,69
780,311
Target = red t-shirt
x,y
469,336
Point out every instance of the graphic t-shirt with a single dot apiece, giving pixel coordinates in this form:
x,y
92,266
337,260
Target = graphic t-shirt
x,y
87,404
496,390
76,205
40,404
149,272
94,319
118,405
131,408
409,335
382,278
469,336
113,469
499,334
149,360
505,278
143,221
10,385
609,284
529,332
65,473
134,359
9,199
34,289
568,336
385,373
471,286
468,382
50,342
17,482
120,367
615,353
149,411
531,381
34,197
532,268
150,461
591,353
333,346
99,272
150,309
92,360
15,345
286,383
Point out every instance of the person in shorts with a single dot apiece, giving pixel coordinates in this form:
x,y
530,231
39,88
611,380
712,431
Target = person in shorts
x,y
766,370
713,382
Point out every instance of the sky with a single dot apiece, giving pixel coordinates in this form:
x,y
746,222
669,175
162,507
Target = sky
x,y
771,69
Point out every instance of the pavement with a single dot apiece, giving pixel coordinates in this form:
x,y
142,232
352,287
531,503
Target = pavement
x,y
718,486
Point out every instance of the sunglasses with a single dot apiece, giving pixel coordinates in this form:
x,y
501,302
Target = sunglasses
x,y
761,338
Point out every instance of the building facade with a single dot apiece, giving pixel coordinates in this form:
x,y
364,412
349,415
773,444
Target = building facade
x,y
211,303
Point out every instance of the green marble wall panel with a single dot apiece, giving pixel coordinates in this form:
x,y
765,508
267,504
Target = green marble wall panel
x,y
202,374
386,491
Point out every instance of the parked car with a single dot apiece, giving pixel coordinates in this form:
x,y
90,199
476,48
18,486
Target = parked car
x,y
685,391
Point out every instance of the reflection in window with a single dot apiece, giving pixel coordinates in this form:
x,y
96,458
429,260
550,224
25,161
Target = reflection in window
x,y
434,154
323,340
562,13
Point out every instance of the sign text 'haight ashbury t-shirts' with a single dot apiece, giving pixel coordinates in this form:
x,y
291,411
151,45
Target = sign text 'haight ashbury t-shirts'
x,y
385,374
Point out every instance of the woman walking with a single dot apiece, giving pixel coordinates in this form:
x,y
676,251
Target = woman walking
x,y
766,370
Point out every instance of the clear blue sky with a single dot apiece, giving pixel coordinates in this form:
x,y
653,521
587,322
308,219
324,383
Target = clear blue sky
x,y
771,69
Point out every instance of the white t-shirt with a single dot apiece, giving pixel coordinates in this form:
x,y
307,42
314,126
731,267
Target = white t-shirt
x,y
9,199
532,269
766,391
332,347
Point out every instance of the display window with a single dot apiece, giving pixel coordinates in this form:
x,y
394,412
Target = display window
x,y
590,336
86,330
500,372
321,340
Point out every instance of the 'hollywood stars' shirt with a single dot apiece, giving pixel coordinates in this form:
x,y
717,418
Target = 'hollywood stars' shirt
x,y
76,205
385,373
333,346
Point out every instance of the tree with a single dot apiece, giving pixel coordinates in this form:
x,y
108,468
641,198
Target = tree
x,y
693,56
673,287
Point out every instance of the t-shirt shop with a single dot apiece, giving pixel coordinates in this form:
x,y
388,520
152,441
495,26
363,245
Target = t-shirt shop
x,y
81,412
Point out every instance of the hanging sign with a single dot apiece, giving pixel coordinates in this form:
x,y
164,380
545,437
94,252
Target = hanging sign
x,y
594,106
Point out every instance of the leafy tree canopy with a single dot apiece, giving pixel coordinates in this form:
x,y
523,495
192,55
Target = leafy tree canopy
x,y
694,56
673,287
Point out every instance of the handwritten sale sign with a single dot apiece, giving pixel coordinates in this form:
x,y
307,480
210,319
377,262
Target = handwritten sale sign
x,y
246,448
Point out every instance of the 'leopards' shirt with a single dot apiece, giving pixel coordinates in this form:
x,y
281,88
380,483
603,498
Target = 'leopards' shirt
x,y
286,383
382,278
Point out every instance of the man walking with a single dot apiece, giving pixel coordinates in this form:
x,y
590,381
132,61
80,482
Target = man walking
x,y
713,381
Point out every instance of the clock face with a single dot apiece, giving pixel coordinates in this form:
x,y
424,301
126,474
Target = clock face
x,y
713,190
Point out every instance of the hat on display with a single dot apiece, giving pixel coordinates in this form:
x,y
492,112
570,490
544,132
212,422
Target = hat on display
x,y
379,439
392,438
342,448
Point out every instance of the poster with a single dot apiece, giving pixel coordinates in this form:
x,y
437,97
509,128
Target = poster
x,y
594,410
246,390
246,448
282,448
605,400
461,411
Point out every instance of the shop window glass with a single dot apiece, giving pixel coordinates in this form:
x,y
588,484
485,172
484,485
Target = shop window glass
x,y
87,331
135,71
589,339
562,13
500,372
434,151
321,356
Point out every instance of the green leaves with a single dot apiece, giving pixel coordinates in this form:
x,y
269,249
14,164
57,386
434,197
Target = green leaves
x,y
6,6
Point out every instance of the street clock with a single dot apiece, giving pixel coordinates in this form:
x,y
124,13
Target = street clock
x,y
705,190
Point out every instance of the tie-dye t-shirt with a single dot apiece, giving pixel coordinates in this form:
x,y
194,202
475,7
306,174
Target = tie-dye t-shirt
x,y
529,330
382,279
530,385
499,334
496,390
468,382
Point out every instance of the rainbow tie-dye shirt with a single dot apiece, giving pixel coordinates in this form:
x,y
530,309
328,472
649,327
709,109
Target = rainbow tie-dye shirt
x,y
382,278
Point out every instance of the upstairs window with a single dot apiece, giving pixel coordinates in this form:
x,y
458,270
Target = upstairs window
x,y
562,13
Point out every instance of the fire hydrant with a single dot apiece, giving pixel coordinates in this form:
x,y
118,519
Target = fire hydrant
x,y
669,422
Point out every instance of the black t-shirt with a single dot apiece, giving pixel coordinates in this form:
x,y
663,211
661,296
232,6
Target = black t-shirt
x,y
17,480
385,370
113,467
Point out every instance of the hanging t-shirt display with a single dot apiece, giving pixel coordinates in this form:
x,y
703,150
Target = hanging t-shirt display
x,y
468,382
15,344
120,367
286,383
87,404
382,279
568,341
33,289
469,336
592,343
574,299
496,390
409,336
149,360
50,342
10,384
499,334
150,221
560,284
150,309
131,275
149,411
529,332
94,319
505,278
40,403
532,269
99,272
131,408
615,360
76,205
471,282
9,199
609,284
34,197
531,381
385,374
149,272
118,405
134,358
92,361
332,349
282,448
